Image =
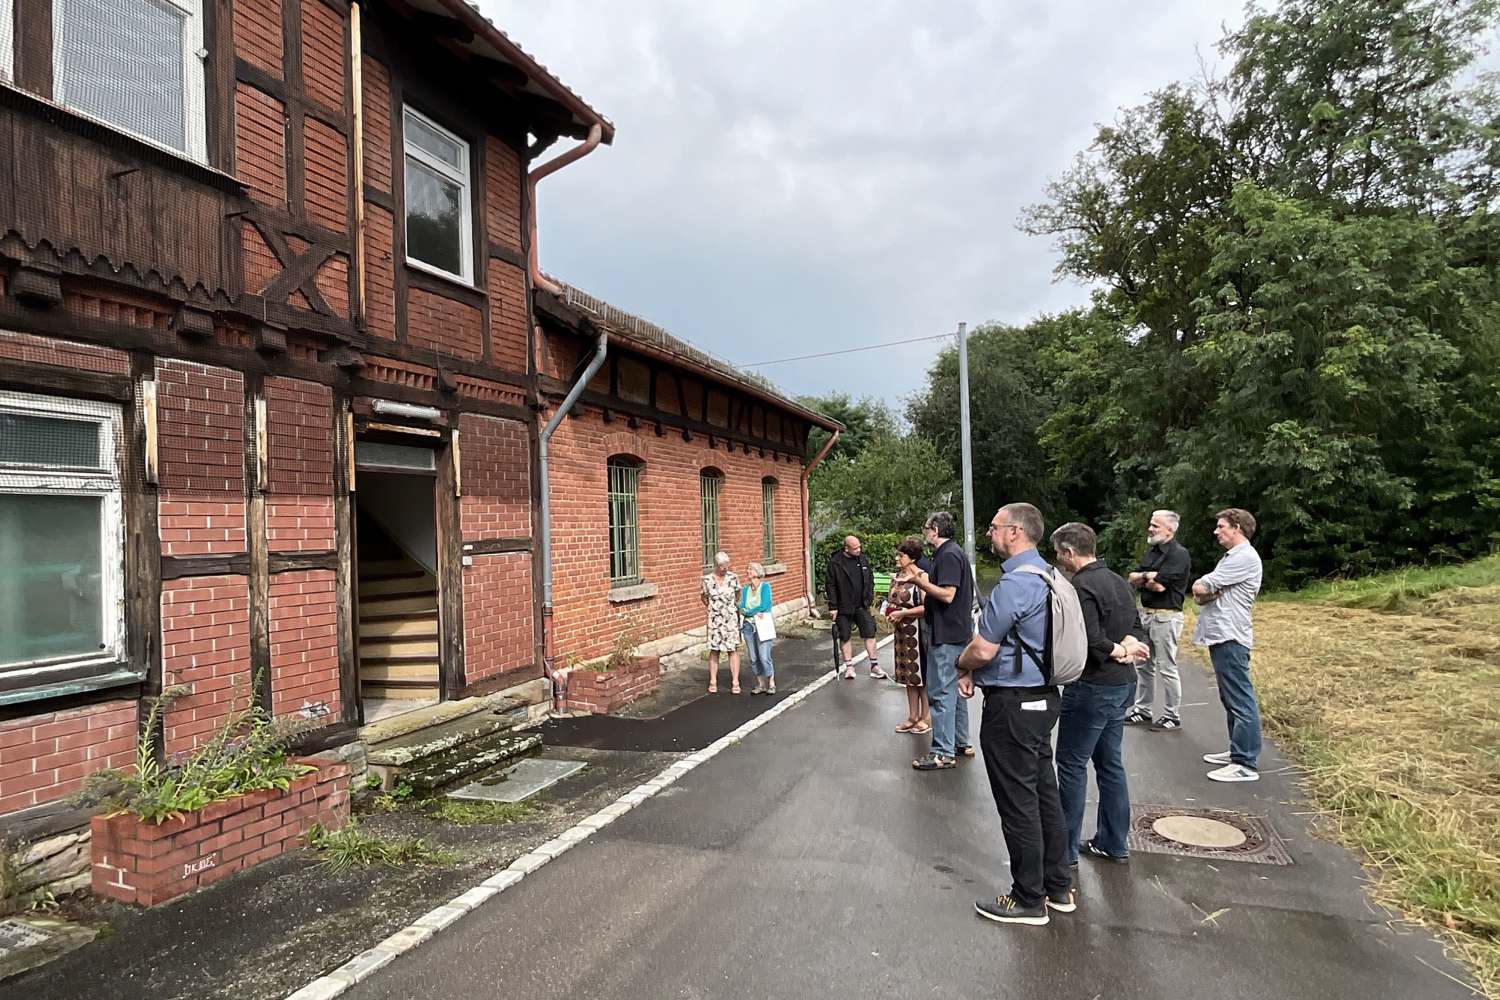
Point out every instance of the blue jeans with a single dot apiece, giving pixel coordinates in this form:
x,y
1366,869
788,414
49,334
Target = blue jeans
x,y
950,713
1090,728
759,651
1231,662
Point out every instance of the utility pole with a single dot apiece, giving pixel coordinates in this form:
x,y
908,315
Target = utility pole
x,y
968,459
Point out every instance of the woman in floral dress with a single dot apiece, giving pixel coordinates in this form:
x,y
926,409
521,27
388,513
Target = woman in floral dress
x,y
721,592
904,607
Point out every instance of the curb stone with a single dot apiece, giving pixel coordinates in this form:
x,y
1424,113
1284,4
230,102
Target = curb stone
x,y
367,963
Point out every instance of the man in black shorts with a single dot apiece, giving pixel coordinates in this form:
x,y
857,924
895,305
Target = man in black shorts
x,y
851,591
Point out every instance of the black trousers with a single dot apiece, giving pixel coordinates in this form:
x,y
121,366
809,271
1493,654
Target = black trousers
x,y
1016,737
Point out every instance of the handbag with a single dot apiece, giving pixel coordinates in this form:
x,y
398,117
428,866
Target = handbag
x,y
765,626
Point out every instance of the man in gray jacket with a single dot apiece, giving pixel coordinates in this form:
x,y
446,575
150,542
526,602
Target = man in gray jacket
x,y
1225,597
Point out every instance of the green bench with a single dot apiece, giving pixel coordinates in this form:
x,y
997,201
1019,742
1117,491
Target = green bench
x,y
882,584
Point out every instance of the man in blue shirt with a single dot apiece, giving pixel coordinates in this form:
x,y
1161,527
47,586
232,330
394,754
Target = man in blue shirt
x,y
1020,711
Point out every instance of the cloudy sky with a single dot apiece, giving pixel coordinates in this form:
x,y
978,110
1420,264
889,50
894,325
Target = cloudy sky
x,y
794,177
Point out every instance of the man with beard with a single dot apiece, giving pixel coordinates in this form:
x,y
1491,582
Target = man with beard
x,y
1162,578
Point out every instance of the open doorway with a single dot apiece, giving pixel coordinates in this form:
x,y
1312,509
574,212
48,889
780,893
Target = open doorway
x,y
396,568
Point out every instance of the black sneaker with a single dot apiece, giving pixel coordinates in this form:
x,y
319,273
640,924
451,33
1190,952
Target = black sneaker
x,y
1093,850
1166,725
1138,718
1063,902
1005,910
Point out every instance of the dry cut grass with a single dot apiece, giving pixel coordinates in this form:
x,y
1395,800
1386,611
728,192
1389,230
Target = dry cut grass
x,y
1396,715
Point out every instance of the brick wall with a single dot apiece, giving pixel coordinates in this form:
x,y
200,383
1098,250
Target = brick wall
x,y
257,34
499,637
45,757
260,144
323,54
496,500
205,648
670,519
442,324
299,505
508,316
46,351
201,418
304,645
503,193
327,188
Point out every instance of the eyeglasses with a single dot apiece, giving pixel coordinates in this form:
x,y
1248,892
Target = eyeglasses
x,y
999,527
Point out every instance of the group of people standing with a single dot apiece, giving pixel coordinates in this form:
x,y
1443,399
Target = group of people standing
x,y
739,612
943,657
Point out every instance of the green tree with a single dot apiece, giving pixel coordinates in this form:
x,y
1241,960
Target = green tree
x,y
889,487
864,420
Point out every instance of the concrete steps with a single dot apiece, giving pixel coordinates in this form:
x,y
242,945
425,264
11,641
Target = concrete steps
x,y
457,748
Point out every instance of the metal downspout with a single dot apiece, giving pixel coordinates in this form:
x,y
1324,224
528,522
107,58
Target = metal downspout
x,y
578,152
806,523
595,363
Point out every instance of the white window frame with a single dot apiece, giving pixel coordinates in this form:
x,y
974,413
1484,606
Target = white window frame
x,y
466,201
7,41
102,482
193,54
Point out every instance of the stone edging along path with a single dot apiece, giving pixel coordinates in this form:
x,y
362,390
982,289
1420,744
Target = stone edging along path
x,y
367,963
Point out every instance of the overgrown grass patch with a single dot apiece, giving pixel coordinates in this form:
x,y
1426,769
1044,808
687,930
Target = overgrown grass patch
x,y
1387,691
466,813
352,847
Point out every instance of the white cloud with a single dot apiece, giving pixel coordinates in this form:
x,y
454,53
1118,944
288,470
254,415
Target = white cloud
x,y
791,176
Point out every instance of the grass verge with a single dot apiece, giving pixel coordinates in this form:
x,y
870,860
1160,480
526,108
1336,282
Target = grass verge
x,y
352,847
1388,691
463,813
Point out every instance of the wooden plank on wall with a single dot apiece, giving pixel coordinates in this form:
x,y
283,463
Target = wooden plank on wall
x,y
450,571
143,570
257,544
344,541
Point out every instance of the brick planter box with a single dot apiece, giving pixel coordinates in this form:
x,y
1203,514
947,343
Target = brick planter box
x,y
605,691
136,861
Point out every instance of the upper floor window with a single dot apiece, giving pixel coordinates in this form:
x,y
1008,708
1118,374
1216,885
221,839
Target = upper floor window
x,y
136,64
768,519
710,482
61,549
624,521
439,234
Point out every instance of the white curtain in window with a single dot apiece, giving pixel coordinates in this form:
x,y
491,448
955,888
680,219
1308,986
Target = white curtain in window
x,y
134,64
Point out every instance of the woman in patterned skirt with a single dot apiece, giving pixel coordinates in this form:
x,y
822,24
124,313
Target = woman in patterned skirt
x,y
904,607
721,593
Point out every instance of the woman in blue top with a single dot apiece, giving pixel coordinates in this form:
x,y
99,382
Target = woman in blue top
x,y
755,600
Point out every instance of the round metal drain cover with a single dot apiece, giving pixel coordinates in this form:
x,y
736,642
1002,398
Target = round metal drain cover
x,y
1199,831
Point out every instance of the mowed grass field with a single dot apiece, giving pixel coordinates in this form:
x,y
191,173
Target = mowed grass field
x,y
1387,690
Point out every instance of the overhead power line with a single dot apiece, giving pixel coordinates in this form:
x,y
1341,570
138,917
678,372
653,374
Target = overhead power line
x,y
850,350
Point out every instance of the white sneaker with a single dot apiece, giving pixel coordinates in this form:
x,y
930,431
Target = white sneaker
x,y
1234,772
1222,757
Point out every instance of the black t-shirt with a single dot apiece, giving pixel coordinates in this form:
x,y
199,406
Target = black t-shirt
x,y
1174,568
1109,615
951,623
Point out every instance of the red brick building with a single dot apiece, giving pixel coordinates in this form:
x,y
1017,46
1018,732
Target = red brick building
x,y
275,362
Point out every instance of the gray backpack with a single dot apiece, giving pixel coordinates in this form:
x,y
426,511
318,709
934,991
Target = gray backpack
x,y
1067,645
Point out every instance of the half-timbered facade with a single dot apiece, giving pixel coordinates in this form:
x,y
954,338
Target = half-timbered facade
x,y
272,377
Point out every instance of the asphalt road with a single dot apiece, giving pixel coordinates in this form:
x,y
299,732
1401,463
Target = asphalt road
x,y
811,861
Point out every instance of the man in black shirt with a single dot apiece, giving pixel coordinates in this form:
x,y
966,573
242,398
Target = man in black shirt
x,y
1092,720
851,591
1163,576
950,618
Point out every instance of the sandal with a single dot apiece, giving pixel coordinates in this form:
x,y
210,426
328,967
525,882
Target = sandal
x,y
906,726
771,689
966,751
921,729
713,689
735,689
932,762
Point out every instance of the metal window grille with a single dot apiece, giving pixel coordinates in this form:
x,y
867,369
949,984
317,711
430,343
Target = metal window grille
x,y
768,520
710,483
624,524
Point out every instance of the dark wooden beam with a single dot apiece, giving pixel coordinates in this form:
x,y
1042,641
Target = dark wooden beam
x,y
181,567
490,546
143,560
23,375
346,583
293,562
450,580
33,30
256,467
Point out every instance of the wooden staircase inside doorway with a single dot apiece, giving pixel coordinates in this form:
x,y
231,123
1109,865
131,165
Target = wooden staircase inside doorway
x,y
398,622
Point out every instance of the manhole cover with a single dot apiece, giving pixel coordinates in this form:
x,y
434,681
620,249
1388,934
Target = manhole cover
x,y
1196,831
518,781
1220,834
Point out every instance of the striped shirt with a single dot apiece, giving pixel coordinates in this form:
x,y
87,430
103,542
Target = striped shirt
x,y
1234,582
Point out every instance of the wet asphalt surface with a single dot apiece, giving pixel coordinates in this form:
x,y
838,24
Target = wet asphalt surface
x,y
811,861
